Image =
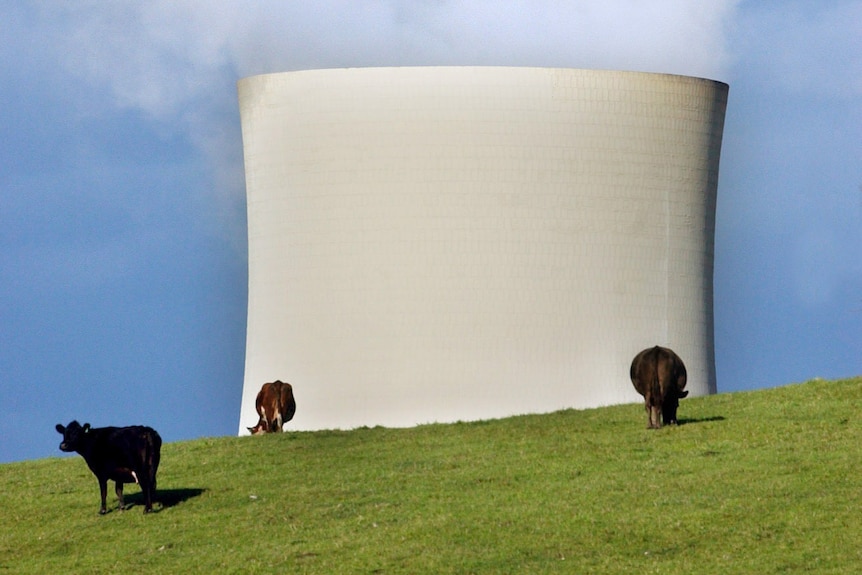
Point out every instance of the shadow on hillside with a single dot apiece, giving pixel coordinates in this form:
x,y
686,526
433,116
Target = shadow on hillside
x,y
687,420
165,497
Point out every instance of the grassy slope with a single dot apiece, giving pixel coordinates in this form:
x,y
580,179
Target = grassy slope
x,y
754,482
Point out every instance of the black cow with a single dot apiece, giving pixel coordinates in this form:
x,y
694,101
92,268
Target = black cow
x,y
659,375
122,454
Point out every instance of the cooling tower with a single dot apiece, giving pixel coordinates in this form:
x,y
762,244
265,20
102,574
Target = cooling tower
x,y
458,243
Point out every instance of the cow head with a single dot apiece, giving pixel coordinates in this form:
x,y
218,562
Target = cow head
x,y
72,434
260,428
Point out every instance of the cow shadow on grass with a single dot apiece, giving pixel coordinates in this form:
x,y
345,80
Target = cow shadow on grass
x,y
164,498
688,420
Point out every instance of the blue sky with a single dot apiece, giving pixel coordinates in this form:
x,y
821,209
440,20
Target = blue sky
x,y
122,207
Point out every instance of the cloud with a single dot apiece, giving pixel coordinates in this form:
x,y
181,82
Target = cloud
x,y
176,63
161,56
807,48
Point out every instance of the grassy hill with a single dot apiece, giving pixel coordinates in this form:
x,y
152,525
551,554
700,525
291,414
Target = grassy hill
x,y
753,482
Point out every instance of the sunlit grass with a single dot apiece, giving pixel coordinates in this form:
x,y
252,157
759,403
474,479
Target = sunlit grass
x,y
754,482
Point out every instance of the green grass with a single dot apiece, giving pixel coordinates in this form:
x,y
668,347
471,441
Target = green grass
x,y
752,482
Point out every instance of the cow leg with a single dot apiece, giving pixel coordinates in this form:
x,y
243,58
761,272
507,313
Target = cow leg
x,y
148,485
654,416
146,489
273,422
152,470
103,491
148,479
669,411
653,412
151,493
118,487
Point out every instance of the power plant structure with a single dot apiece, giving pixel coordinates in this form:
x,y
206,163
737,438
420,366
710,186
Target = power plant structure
x,y
435,244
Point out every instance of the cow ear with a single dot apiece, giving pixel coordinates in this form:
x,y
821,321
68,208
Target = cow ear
x,y
60,429
86,427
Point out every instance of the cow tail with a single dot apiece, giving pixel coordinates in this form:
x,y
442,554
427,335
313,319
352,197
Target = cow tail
x,y
154,448
655,386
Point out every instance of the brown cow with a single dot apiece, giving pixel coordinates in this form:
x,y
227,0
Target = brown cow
x,y
275,406
659,375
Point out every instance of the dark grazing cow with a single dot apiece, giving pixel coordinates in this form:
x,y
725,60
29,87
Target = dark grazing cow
x,y
659,375
122,454
275,406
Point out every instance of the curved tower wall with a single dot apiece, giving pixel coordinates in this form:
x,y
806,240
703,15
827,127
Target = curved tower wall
x,y
459,243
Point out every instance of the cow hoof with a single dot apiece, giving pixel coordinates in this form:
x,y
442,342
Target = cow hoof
x,y
102,511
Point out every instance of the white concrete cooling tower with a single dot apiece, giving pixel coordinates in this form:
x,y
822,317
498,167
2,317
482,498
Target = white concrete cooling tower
x,y
438,244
